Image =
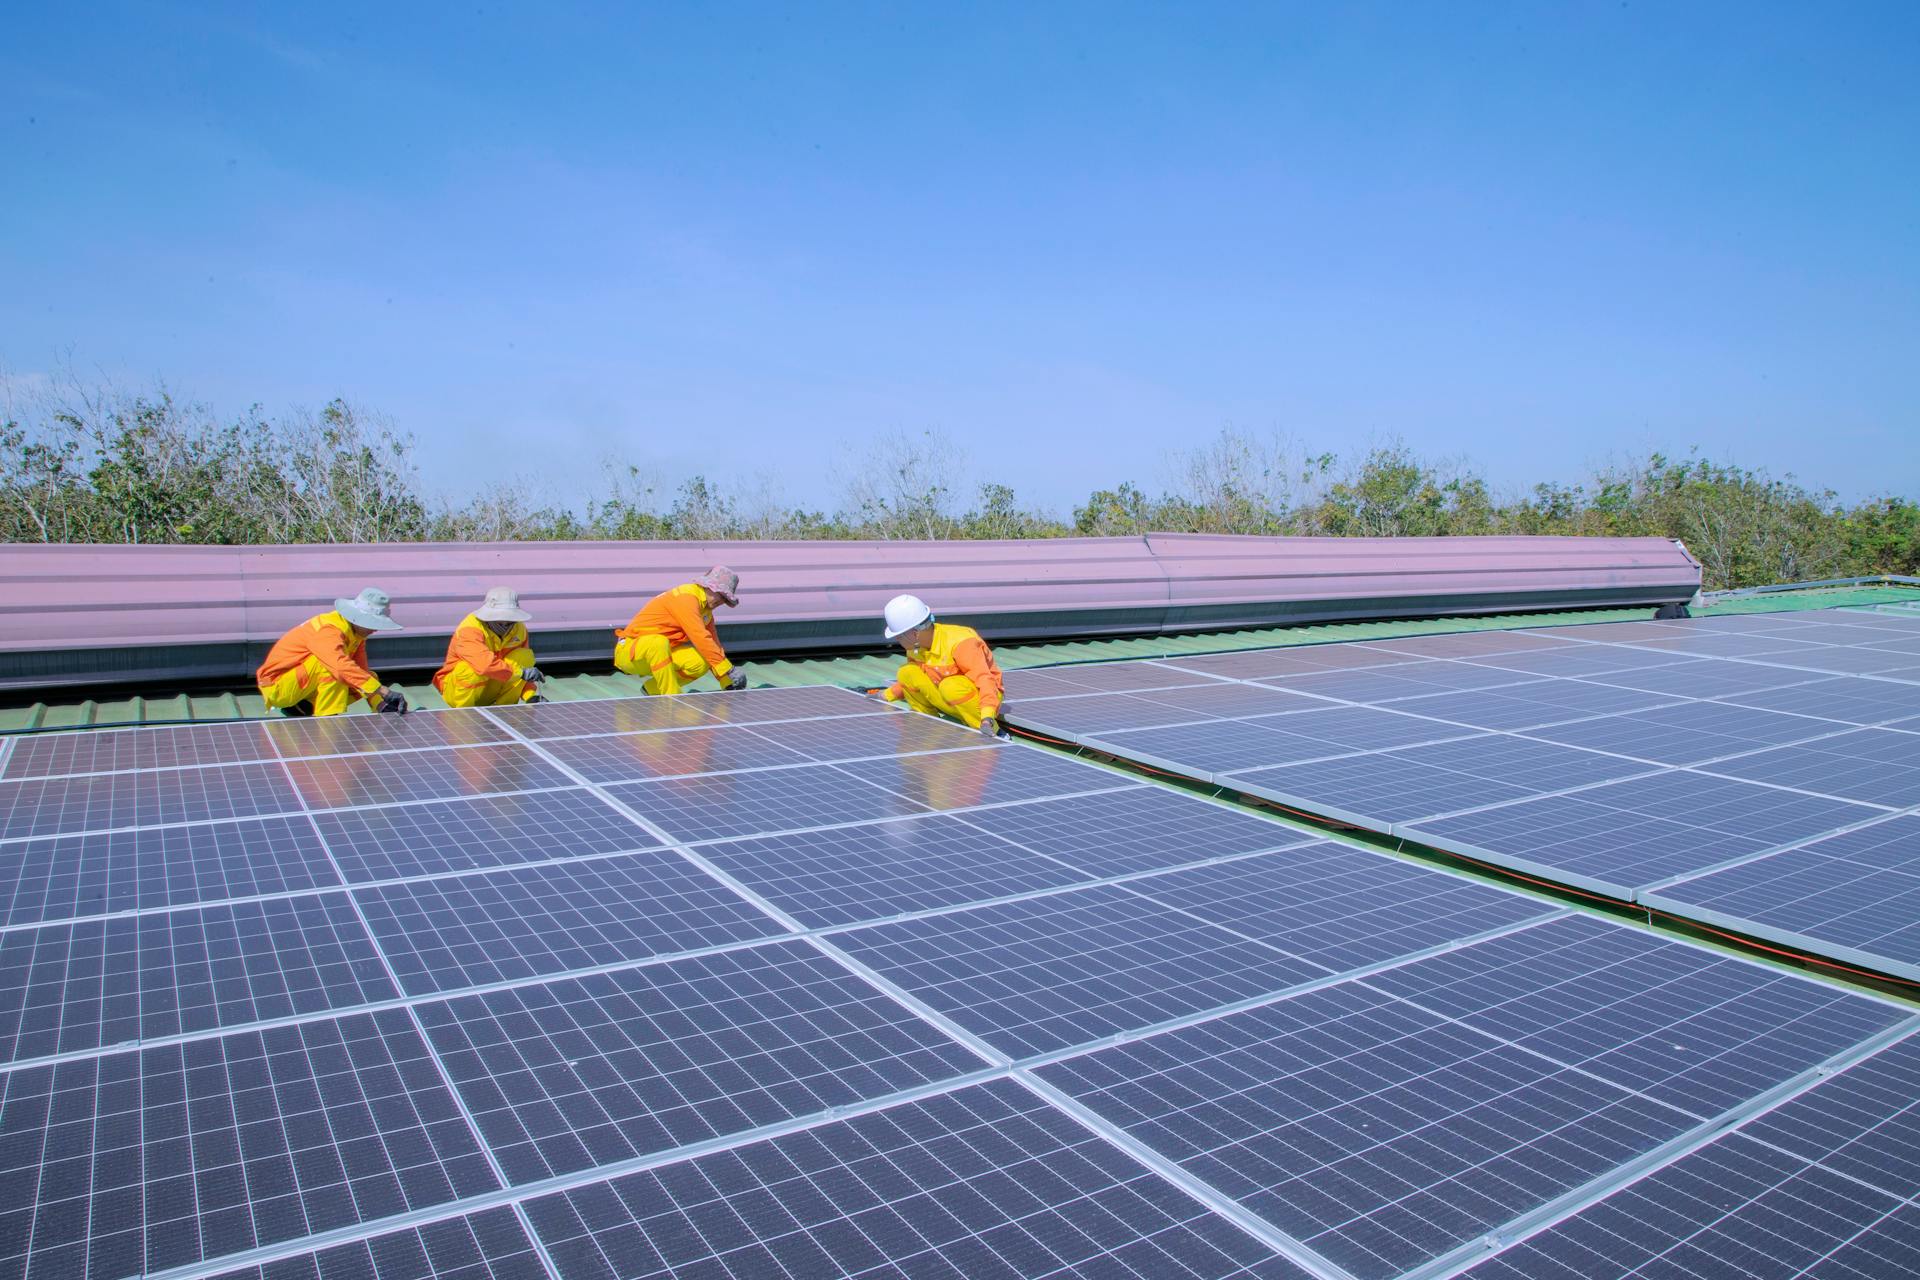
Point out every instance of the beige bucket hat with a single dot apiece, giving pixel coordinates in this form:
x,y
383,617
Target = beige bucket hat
x,y
502,605
371,610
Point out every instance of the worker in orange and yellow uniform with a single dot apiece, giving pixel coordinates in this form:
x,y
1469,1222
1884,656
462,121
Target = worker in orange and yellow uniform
x,y
950,670
671,643
489,662
320,667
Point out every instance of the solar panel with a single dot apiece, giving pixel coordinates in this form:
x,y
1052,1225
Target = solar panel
x,y
1120,677
470,931
1625,836
583,1072
864,737
963,779
1049,973
64,877
1340,907
724,806
1383,684
66,988
1688,733
1874,766
1854,896
346,735
1123,832
1819,1185
490,1244
1099,713
165,1157
115,751
476,996
988,1181
341,782
474,833
1392,1120
846,874
672,753
96,802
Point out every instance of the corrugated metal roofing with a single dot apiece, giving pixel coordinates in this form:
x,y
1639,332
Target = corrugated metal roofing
x,y
869,670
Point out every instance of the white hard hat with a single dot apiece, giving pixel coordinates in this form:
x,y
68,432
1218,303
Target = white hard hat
x,y
904,613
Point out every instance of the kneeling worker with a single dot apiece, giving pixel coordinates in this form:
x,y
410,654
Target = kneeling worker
x,y
670,642
950,670
489,663
320,667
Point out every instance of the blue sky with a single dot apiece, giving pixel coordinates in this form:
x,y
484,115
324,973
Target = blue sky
x,y
746,240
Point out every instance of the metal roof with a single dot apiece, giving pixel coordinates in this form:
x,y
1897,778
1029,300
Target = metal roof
x,y
868,670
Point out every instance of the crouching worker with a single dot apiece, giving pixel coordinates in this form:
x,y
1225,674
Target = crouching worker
x,y
671,642
489,663
950,670
320,667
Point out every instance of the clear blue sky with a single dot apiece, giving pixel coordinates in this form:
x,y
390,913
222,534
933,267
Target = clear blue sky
x,y
745,238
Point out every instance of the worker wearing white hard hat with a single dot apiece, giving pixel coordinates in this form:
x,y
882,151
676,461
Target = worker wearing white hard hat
x,y
489,658
949,670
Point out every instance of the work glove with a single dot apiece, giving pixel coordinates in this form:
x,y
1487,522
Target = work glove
x,y
392,701
989,726
533,675
736,679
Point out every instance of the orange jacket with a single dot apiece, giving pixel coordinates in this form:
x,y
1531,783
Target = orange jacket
x,y
685,617
475,644
958,651
330,638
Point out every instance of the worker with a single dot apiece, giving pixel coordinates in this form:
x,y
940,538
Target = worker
x,y
489,663
950,670
320,667
670,642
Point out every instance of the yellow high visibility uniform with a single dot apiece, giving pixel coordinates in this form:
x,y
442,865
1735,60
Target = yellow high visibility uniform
x,y
954,676
671,642
322,659
483,669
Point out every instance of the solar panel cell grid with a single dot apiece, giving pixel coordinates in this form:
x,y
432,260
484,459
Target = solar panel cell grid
x,y
1688,733
1340,907
962,779
488,1245
51,755
759,706
883,869
474,834
1233,700
611,715
1377,788
986,1182
1120,677
51,806
726,806
339,782
1378,1134
170,1156
1864,702
1045,974
676,753
584,1072
1217,746
1706,678
1128,831
1505,709
866,736
1098,713
64,877
346,735
1734,1208
66,988
1679,1024
441,935
1856,894
1874,766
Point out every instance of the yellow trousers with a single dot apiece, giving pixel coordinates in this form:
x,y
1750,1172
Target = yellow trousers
x,y
331,696
955,697
665,669
465,687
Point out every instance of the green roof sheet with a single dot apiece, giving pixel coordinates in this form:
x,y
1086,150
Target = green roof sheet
x,y
869,670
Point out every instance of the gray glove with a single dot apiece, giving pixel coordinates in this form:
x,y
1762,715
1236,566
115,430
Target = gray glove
x,y
989,726
392,701
736,679
533,675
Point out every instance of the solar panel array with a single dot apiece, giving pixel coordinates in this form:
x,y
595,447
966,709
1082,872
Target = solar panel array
x,y
1756,772
789,983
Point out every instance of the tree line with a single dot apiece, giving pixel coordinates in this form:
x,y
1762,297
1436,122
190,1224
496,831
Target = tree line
x,y
89,463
